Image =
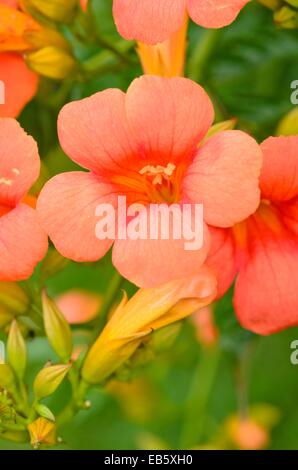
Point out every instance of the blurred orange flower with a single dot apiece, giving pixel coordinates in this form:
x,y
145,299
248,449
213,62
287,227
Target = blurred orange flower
x,y
20,84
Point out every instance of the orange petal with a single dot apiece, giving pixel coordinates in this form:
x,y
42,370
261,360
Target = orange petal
x,y
79,306
279,175
20,84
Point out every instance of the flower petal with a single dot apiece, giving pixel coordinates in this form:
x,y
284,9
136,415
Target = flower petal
x,y
279,175
94,131
149,263
169,117
214,13
225,178
222,258
79,306
148,21
66,206
14,70
22,243
266,291
19,162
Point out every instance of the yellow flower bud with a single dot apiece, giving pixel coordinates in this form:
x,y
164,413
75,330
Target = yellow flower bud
x,y
55,10
46,37
52,62
42,433
13,299
57,329
52,264
48,380
289,124
16,350
286,18
7,380
147,310
272,4
219,127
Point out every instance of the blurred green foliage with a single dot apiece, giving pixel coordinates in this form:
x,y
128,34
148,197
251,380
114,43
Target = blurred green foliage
x,y
183,397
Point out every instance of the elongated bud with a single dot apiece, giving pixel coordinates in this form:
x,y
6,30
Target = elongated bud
x,y
57,329
44,412
293,3
52,62
55,10
16,350
46,37
52,264
219,127
42,433
289,124
286,17
13,299
272,4
7,379
48,380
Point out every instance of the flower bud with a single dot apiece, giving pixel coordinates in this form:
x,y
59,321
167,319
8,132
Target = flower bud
x,y
57,329
52,264
219,127
16,350
42,433
48,380
286,18
44,412
52,62
13,299
147,310
7,380
289,124
55,10
46,37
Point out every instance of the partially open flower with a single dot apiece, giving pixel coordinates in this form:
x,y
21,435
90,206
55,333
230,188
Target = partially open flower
x,y
42,433
146,311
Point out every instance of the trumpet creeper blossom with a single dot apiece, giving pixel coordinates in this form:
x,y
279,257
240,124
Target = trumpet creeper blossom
x,y
13,69
263,250
145,145
154,21
23,243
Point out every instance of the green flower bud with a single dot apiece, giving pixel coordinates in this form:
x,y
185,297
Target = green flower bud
x,y
16,350
57,329
48,380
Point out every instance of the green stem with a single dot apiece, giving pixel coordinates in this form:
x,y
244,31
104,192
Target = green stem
x,y
200,389
201,54
110,297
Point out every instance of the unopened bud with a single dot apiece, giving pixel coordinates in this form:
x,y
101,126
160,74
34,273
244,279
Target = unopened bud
x,y
16,350
7,379
55,10
52,264
46,37
52,62
286,18
57,329
13,299
44,412
219,127
48,380
289,124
